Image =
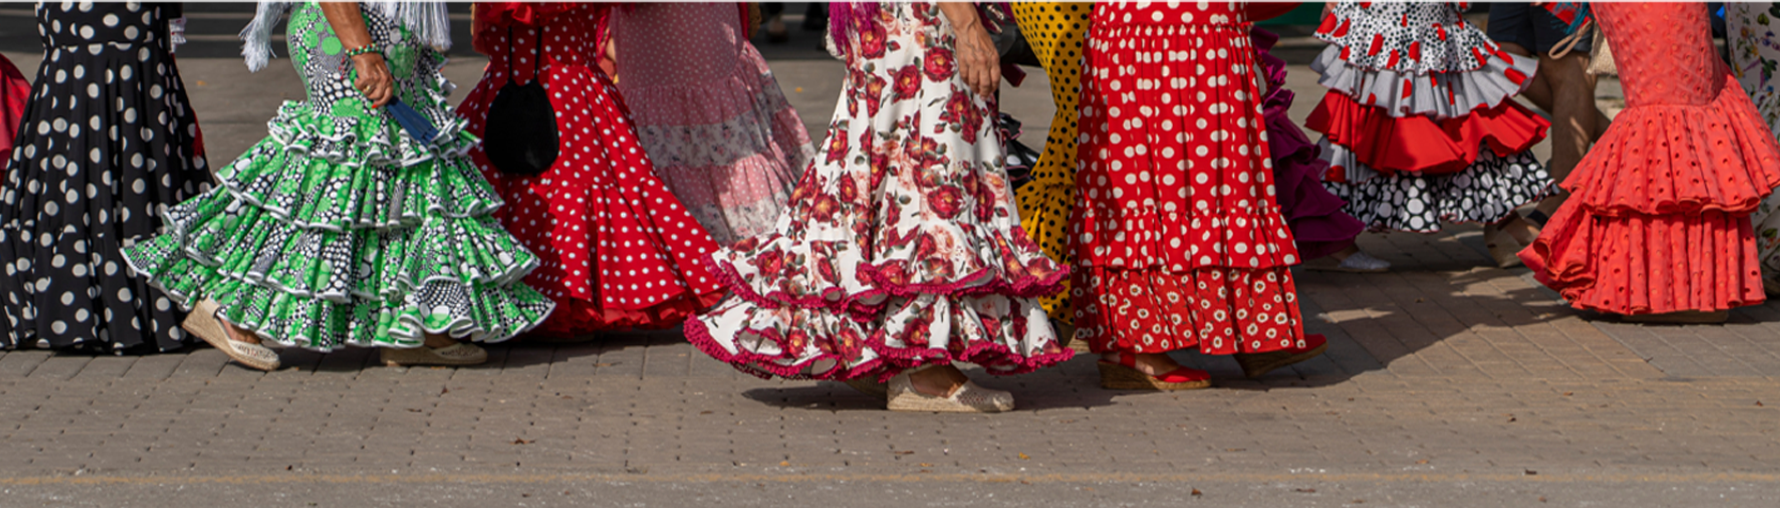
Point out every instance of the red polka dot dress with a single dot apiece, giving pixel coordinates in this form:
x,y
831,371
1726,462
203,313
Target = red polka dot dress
x,y
1179,241
616,249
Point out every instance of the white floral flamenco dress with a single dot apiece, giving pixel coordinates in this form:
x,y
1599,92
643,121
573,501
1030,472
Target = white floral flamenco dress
x,y
901,246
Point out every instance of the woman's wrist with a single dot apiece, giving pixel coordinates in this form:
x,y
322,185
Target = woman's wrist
x,y
367,49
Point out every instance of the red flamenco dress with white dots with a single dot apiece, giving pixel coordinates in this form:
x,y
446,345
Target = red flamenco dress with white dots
x,y
1179,240
616,249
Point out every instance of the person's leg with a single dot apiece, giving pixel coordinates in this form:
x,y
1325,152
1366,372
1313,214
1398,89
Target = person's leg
x,y
1573,117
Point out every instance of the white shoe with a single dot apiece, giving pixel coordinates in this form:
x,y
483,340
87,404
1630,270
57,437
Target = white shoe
x,y
968,398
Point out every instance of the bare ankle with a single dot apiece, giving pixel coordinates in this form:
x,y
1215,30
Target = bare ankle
x,y
438,340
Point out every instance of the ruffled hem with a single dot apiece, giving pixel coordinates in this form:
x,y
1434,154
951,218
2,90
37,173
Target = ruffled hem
x,y
1457,47
1487,192
1680,159
1044,214
216,231
746,197
1220,310
1439,94
1419,144
1241,236
474,312
866,301
827,346
574,317
1642,264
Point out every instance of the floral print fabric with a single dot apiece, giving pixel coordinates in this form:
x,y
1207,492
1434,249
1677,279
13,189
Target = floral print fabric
x,y
901,245
1755,60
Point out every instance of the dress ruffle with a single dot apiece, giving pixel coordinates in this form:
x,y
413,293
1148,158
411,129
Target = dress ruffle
x,y
1319,227
1485,192
1438,94
1712,157
1380,36
1419,144
1634,263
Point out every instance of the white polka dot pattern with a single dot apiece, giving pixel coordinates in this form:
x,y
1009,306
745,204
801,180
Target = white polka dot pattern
x,y
1178,237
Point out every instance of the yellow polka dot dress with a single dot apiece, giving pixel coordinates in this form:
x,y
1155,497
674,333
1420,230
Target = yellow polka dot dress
x,y
1055,30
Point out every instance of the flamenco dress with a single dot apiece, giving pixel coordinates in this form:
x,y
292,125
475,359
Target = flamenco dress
x,y
709,113
1055,31
1419,123
1178,240
1658,216
901,247
616,249
107,140
1319,227
15,96
342,228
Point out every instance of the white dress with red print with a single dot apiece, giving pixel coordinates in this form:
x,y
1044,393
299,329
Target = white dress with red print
x,y
901,245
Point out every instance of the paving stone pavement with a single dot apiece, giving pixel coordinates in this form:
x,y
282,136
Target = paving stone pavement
x,y
1447,382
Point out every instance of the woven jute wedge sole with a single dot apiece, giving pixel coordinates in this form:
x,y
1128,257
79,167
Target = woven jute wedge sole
x,y
1119,377
1257,365
202,322
969,398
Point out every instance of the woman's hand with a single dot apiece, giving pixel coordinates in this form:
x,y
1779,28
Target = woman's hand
x,y
978,61
374,80
348,23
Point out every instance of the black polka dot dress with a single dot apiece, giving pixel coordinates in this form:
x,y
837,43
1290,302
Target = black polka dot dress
x,y
108,141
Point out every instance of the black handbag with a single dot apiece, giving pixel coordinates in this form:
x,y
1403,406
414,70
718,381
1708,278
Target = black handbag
x,y
520,137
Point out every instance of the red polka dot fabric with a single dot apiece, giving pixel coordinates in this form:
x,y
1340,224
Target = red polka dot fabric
x,y
616,249
1177,234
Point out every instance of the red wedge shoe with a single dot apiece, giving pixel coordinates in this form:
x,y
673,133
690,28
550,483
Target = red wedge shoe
x,y
1125,376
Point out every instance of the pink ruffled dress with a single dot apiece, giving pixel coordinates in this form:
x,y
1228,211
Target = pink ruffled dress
x,y
710,114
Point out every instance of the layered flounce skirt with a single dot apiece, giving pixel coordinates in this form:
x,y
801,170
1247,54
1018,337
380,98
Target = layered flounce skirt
x,y
1419,123
341,229
1657,220
901,246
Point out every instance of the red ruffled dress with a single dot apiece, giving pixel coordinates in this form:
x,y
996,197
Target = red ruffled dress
x,y
615,248
1419,122
1178,239
1658,217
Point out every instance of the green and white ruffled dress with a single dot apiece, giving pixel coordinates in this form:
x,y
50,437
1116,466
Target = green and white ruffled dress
x,y
340,228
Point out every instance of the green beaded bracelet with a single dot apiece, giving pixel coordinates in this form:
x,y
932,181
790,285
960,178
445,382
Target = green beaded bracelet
x,y
360,51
